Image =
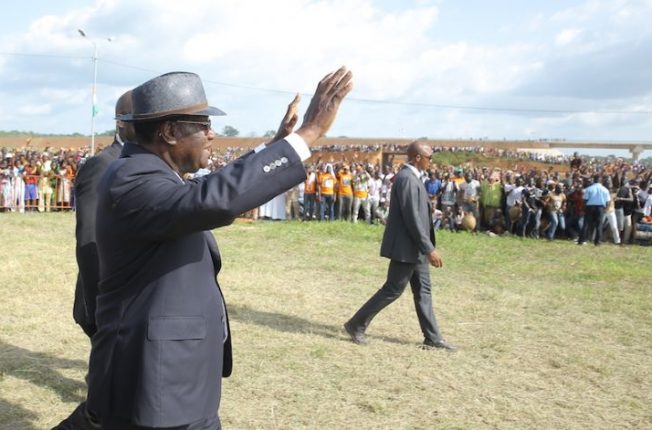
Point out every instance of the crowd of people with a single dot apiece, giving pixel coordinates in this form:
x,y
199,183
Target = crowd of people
x,y
523,201
587,201
43,179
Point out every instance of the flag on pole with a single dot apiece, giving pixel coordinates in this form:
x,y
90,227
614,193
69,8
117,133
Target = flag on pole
x,y
96,109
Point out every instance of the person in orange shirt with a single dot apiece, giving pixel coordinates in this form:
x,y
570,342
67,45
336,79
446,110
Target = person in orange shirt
x,y
344,193
361,193
309,194
326,189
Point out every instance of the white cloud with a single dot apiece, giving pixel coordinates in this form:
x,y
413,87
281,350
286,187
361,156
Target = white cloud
x,y
577,57
60,96
34,109
567,36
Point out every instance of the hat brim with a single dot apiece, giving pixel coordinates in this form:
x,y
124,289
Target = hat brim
x,y
209,111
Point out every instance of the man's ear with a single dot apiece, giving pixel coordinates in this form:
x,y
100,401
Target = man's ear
x,y
167,131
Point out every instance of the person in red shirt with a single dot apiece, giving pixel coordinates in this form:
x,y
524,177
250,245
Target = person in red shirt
x,y
30,176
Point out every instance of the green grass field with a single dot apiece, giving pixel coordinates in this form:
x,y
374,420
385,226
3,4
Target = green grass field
x,y
551,335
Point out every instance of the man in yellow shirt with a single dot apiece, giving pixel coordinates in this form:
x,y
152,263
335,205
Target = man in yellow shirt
x,y
344,193
309,194
326,190
361,193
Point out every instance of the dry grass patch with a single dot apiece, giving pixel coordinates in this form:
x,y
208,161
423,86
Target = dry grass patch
x,y
551,335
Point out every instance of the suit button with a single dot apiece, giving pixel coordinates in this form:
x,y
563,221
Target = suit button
x,y
272,166
284,160
278,163
266,169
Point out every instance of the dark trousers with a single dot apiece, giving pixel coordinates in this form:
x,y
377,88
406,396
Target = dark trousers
x,y
203,424
309,206
398,276
592,222
327,207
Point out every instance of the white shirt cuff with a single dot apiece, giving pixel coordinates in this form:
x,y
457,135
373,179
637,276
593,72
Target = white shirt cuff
x,y
299,145
296,142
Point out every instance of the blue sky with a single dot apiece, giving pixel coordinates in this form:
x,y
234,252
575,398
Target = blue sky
x,y
577,69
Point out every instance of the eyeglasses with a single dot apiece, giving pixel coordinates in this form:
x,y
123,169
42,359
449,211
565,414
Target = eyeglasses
x,y
205,125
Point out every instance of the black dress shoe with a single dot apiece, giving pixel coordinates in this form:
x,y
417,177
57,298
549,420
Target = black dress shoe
x,y
357,337
78,420
440,344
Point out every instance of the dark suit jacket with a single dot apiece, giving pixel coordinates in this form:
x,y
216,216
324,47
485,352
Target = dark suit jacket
x,y
163,342
86,183
409,232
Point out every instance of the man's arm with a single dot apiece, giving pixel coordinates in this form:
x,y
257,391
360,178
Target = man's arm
x,y
154,204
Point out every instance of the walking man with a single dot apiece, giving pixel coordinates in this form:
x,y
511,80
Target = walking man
x,y
86,182
409,243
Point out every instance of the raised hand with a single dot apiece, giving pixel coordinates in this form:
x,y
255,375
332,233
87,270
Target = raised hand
x,y
289,120
324,104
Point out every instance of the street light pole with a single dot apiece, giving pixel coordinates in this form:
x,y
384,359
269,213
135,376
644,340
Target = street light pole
x,y
94,99
94,90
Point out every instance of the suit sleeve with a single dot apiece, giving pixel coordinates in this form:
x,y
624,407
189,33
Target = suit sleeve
x,y
86,184
156,205
409,204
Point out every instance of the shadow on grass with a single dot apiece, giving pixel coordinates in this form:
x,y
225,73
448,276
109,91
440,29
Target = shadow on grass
x,y
13,416
293,324
40,369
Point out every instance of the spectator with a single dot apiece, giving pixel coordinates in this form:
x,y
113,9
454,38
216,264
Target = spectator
x,y
491,197
309,194
449,191
382,211
375,185
30,175
361,193
576,209
433,185
556,205
45,189
576,162
609,217
647,206
514,197
292,210
497,222
596,197
344,193
471,195
326,189
624,206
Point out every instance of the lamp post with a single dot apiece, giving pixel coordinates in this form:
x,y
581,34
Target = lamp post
x,y
93,91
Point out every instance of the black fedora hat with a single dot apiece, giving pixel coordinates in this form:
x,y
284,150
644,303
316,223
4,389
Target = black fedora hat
x,y
171,94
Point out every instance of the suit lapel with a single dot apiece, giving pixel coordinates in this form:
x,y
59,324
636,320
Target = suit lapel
x,y
425,201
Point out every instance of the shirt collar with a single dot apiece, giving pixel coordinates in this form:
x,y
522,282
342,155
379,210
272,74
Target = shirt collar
x,y
414,170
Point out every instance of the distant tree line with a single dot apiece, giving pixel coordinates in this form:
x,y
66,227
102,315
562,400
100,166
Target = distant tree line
x,y
228,131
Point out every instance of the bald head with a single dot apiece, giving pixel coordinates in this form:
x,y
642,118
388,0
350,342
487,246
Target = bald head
x,y
418,148
124,129
419,155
